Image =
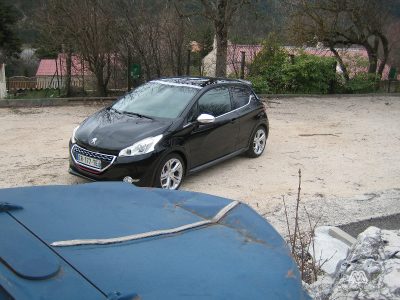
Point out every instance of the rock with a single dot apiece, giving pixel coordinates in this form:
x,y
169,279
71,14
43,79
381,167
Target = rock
x,y
328,251
321,289
372,268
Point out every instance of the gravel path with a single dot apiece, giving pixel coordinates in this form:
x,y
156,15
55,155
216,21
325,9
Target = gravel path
x,y
348,149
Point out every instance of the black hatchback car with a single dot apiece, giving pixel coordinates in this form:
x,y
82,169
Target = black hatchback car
x,y
169,128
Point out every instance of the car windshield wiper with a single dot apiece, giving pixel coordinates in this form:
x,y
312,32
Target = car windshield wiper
x,y
136,114
116,110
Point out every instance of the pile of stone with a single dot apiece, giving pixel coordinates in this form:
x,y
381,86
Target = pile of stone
x,y
371,269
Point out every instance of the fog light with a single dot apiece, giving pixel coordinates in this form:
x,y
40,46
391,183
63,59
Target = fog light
x,y
128,179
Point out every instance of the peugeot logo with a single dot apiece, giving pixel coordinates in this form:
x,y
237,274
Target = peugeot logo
x,y
93,141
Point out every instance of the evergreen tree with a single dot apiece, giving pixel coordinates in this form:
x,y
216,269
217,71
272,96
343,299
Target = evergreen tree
x,y
9,42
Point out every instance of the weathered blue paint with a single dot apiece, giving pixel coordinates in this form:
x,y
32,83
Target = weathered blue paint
x,y
241,257
4,206
36,264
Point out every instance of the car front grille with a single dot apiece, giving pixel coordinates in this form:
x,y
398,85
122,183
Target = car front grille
x,y
106,159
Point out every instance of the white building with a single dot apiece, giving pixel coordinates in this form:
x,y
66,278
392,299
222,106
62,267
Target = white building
x,y
3,82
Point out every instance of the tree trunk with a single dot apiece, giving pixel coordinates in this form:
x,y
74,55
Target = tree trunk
x,y
222,45
68,62
179,65
372,55
101,85
373,61
341,64
129,79
143,58
108,71
101,89
171,51
385,46
148,70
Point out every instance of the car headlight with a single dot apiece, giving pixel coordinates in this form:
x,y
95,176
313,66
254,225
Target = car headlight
x,y
73,140
142,147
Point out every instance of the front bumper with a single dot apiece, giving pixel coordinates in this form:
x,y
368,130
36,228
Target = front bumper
x,y
141,168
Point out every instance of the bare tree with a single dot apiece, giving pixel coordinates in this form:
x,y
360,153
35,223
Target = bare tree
x,y
155,34
9,41
175,33
220,13
133,33
93,27
344,23
89,26
53,37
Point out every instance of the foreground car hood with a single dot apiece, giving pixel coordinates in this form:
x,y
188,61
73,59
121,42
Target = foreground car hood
x,y
116,131
239,257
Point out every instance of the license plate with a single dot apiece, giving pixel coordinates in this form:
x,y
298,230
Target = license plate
x,y
93,162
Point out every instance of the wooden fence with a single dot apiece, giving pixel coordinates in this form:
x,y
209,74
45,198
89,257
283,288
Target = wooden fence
x,y
88,82
390,86
21,83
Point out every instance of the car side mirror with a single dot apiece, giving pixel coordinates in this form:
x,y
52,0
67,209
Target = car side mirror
x,y
205,119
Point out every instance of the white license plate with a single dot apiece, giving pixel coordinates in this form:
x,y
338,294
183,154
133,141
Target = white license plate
x,y
93,162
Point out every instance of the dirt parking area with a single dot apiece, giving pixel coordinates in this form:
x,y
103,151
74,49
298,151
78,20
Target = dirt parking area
x,y
348,149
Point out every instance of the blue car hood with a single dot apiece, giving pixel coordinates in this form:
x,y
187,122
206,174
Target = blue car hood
x,y
240,257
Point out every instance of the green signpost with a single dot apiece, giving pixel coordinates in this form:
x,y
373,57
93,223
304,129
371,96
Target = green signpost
x,y
135,71
392,73
392,77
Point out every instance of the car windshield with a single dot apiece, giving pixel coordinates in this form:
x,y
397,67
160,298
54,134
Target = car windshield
x,y
156,99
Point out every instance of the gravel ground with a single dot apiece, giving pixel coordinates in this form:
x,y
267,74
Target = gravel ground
x,y
348,149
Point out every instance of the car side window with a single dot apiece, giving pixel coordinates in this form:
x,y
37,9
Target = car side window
x,y
240,96
215,102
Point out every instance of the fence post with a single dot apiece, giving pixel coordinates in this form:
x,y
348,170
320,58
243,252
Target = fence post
x,y
242,65
58,79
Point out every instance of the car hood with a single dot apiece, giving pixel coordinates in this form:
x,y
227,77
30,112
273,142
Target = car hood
x,y
240,256
112,130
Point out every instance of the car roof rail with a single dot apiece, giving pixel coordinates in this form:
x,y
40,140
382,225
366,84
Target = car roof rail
x,y
245,81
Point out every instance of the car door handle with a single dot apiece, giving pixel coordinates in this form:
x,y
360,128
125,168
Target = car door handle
x,y
233,120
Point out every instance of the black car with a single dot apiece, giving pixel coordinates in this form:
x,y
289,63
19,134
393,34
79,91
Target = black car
x,y
169,128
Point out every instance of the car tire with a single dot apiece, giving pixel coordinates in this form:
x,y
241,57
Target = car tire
x,y
258,142
170,172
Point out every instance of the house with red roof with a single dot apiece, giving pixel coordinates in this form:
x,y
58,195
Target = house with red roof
x,y
51,73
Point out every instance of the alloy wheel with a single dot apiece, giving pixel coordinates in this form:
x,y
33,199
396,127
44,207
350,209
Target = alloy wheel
x,y
171,174
259,141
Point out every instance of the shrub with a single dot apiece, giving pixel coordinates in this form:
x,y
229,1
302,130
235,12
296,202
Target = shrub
x,y
274,71
310,74
260,85
362,83
266,71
